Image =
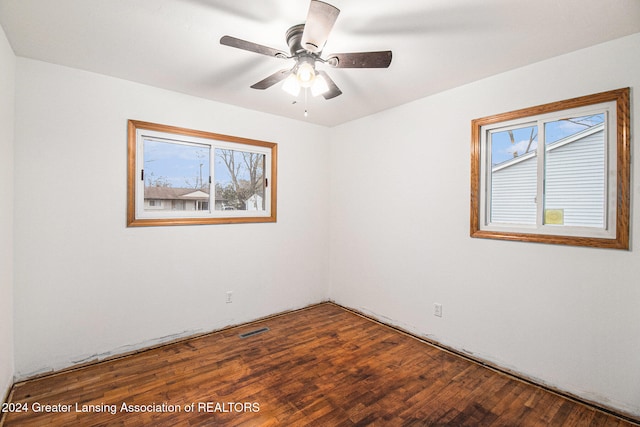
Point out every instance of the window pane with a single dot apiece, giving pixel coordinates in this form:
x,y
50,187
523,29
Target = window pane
x,y
513,175
575,165
583,167
176,176
239,180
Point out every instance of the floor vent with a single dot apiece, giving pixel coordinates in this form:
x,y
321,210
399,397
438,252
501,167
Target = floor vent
x,y
252,333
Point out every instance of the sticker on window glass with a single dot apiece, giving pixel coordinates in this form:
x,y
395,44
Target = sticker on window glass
x,y
554,216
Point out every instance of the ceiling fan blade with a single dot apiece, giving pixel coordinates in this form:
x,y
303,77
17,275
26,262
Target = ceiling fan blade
x,y
334,90
252,47
320,20
380,59
274,78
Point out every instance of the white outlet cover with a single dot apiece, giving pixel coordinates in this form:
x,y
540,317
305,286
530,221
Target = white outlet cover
x,y
437,310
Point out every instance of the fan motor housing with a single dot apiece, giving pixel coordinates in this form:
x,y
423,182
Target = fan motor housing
x,y
294,37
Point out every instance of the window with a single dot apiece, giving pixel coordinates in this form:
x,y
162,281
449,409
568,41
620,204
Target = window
x,y
180,176
555,173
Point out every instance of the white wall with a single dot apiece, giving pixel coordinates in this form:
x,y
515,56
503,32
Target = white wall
x,y
390,232
566,316
87,285
7,101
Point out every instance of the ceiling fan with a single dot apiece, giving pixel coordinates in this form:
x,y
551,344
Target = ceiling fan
x,y
306,42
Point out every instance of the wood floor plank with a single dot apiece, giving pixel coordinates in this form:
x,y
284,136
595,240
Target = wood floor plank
x,y
322,366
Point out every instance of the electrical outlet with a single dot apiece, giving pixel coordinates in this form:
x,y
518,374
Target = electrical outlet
x,y
437,309
229,295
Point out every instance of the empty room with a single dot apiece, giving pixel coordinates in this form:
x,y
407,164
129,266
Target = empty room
x,y
299,212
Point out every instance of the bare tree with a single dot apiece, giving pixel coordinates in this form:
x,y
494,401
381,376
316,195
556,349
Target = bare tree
x,y
246,171
150,180
586,121
532,138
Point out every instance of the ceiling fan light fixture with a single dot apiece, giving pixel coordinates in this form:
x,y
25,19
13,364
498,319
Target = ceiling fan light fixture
x,y
306,74
291,85
319,86
306,43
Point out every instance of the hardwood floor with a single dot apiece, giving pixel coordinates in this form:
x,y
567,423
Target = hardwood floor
x,y
321,366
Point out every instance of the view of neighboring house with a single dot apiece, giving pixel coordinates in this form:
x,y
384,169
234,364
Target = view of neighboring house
x,y
176,199
189,199
254,203
575,192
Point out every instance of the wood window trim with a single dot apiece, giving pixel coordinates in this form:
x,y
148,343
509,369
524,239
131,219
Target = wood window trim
x,y
132,221
623,162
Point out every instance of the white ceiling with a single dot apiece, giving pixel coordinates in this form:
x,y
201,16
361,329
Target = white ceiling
x,y
436,44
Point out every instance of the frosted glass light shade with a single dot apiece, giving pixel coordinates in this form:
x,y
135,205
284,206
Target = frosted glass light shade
x,y
291,85
319,86
305,74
